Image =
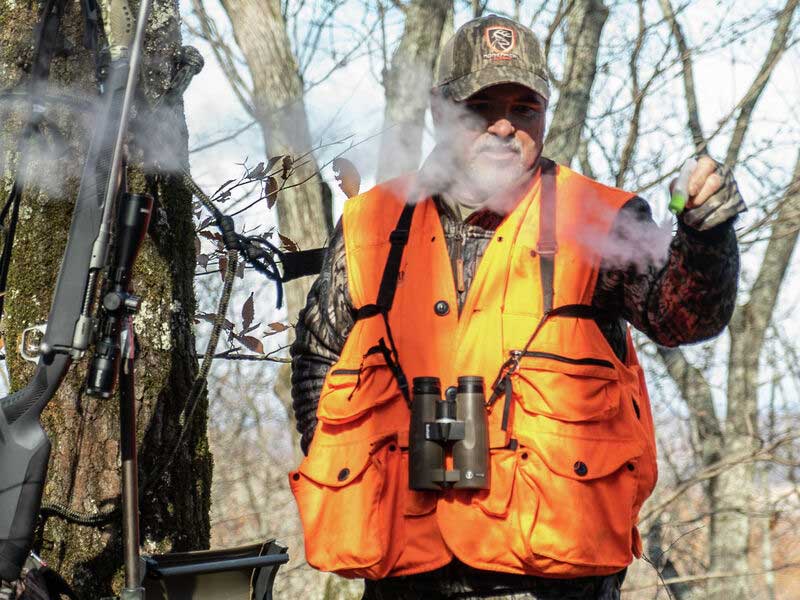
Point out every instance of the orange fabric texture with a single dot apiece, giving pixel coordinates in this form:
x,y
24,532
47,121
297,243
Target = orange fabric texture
x,y
565,501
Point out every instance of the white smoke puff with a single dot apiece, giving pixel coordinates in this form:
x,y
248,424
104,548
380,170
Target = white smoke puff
x,y
635,240
53,152
455,169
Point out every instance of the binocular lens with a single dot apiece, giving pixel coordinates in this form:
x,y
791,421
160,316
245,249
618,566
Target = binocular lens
x,y
459,422
425,457
471,454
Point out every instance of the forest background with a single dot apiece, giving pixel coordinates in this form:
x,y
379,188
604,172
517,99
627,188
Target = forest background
x,y
639,86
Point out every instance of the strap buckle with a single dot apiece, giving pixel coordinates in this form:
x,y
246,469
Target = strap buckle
x,y
509,368
546,248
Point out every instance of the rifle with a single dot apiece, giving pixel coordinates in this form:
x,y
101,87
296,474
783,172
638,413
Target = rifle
x,y
102,208
24,447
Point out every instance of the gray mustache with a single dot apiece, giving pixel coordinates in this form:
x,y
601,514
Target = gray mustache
x,y
493,146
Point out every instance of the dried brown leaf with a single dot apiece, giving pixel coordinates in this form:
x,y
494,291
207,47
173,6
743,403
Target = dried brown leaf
x,y
248,312
257,172
347,176
253,344
286,167
271,191
224,185
288,244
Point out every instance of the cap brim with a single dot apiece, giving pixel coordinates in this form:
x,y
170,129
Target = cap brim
x,y
472,83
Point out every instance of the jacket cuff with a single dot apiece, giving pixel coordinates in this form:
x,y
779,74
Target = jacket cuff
x,y
710,236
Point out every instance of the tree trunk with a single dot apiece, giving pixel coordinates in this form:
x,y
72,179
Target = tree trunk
x,y
584,26
277,95
408,83
733,490
84,431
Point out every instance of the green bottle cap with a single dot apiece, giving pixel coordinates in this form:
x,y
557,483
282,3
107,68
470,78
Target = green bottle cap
x,y
677,203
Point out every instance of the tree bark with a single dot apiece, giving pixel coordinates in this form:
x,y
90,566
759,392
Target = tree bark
x,y
84,431
693,113
733,490
277,100
584,25
408,82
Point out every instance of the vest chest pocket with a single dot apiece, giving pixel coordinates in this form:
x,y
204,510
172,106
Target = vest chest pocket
x,y
347,497
586,491
566,388
351,391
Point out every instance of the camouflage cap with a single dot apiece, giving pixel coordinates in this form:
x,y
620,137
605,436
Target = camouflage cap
x,y
488,51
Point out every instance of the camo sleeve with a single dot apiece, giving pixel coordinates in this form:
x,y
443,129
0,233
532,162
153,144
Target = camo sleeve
x,y
682,295
322,328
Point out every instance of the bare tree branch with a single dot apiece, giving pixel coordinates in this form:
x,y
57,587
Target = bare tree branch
x,y
223,139
688,75
224,55
696,392
748,103
585,24
407,83
713,470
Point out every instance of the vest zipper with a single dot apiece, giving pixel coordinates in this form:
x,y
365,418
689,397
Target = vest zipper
x,y
459,262
598,362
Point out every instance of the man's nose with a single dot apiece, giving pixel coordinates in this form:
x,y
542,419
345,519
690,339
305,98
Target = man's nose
x,y
501,127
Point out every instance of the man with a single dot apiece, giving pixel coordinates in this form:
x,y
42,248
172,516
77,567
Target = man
x,y
494,261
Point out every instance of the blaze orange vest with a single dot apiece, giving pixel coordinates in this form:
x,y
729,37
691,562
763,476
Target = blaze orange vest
x,y
576,459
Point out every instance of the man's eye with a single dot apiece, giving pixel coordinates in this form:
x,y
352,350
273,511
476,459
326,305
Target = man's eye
x,y
478,108
525,111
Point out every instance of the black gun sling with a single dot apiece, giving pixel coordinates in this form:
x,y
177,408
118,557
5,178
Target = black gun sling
x,y
391,272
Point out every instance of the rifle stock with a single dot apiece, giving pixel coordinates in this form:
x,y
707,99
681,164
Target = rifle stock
x,y
25,450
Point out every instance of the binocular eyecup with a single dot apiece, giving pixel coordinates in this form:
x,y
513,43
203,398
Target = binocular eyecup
x,y
456,423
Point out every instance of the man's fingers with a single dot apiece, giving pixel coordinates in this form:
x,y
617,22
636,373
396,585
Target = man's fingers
x,y
705,167
711,185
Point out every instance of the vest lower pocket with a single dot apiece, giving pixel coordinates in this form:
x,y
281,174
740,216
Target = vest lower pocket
x,y
586,490
350,393
495,501
347,497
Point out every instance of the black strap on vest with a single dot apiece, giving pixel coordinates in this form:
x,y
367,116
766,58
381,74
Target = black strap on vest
x,y
546,247
391,273
301,263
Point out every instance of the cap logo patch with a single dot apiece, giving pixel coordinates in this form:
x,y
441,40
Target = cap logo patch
x,y
501,41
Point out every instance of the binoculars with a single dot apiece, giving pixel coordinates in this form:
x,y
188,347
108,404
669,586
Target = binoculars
x,y
455,423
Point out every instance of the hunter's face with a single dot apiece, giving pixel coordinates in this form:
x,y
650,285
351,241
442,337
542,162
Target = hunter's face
x,y
498,138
